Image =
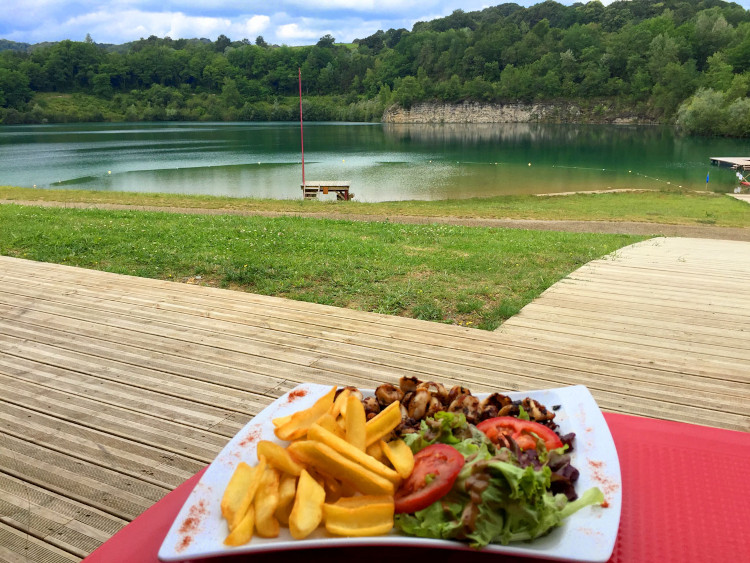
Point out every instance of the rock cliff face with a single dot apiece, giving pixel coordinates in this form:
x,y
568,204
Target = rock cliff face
x,y
474,112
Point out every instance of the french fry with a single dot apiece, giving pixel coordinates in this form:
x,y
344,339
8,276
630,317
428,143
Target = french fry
x,y
329,423
266,502
383,423
400,456
327,460
320,434
243,532
359,516
296,427
281,421
339,405
239,494
287,490
355,420
278,457
334,488
307,512
376,451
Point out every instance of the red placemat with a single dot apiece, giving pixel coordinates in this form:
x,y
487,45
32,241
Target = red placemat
x,y
686,497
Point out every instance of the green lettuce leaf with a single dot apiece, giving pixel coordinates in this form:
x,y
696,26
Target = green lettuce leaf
x,y
514,504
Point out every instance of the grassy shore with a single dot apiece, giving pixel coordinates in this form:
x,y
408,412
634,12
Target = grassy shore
x,y
666,207
465,275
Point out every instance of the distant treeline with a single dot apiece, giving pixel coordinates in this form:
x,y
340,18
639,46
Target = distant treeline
x,y
686,62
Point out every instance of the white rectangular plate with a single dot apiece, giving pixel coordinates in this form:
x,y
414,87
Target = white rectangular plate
x,y
588,535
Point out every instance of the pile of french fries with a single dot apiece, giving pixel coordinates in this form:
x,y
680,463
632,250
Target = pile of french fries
x,y
337,470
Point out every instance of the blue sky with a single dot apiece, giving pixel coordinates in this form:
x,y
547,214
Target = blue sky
x,y
290,22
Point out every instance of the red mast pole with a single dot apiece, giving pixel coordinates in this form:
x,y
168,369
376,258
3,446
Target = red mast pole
x,y
301,132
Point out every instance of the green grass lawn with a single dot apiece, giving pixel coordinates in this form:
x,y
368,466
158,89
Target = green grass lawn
x,y
464,275
668,207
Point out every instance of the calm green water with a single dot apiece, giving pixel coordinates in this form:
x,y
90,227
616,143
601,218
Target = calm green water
x,y
383,162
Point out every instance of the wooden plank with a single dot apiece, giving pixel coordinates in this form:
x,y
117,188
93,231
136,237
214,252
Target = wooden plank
x,y
104,489
488,360
556,375
155,350
139,427
48,524
109,284
98,525
112,393
137,460
722,335
15,343
328,183
245,315
19,547
659,342
432,353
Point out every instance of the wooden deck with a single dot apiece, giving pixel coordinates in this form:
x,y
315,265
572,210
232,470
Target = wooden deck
x,y
114,389
736,162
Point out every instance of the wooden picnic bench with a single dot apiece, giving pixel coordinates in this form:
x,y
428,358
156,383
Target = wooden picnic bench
x,y
310,190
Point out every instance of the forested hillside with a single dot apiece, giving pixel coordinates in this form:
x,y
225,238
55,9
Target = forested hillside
x,y
686,62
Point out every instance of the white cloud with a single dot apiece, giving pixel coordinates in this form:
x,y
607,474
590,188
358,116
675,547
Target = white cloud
x,y
389,7
108,27
293,33
257,24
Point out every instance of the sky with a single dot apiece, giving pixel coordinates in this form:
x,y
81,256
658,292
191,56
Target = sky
x,y
281,22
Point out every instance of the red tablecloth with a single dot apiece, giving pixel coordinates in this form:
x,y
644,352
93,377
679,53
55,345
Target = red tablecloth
x,y
686,497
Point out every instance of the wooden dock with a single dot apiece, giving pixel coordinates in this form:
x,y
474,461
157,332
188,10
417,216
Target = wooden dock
x,y
311,189
735,162
115,389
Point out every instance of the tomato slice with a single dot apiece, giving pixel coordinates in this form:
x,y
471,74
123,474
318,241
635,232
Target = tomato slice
x,y
435,470
520,431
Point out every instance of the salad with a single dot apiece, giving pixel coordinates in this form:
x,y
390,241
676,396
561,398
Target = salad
x,y
504,480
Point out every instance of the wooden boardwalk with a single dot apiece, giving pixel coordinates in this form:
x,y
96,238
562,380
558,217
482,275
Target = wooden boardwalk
x,y
114,389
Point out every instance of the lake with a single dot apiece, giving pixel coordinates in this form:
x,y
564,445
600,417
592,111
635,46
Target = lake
x,y
383,161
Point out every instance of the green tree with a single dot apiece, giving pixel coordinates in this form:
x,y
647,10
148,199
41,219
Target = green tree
x,y
712,33
719,74
102,85
737,121
230,94
326,42
14,88
739,88
678,81
221,43
703,114
408,92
